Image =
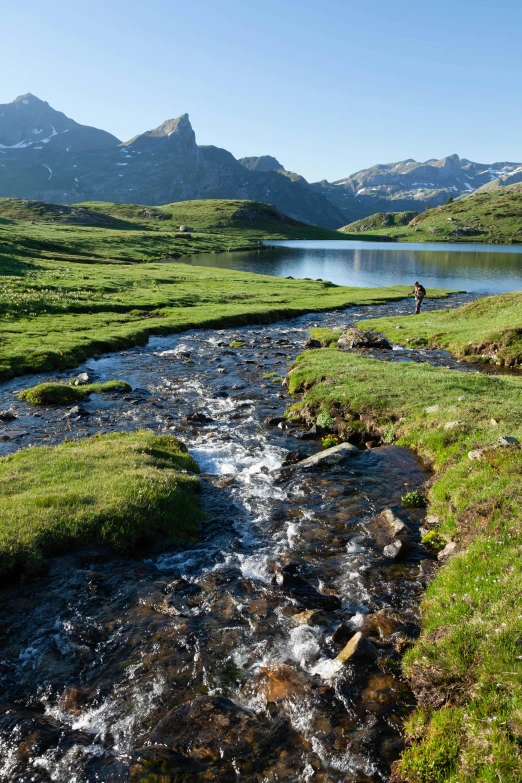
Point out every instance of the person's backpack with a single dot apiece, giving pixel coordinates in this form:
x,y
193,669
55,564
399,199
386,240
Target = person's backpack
x,y
421,290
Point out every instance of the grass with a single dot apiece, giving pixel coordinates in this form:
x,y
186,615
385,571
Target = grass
x,y
488,329
493,217
62,394
118,490
466,668
71,291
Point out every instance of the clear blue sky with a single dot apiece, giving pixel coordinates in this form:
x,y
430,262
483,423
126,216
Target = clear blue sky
x,y
327,87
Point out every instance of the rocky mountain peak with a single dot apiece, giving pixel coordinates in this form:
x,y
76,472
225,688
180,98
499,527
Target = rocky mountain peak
x,y
261,163
172,136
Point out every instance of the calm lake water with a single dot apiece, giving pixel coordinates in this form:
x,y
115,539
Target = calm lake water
x,y
484,268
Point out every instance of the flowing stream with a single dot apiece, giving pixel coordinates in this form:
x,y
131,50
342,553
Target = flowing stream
x,y
236,636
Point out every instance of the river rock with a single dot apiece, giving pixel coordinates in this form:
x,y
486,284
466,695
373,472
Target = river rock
x,y
212,728
393,550
82,379
358,649
309,617
289,579
396,525
448,551
309,344
342,635
293,457
274,421
199,418
8,415
354,338
77,410
379,627
310,434
333,456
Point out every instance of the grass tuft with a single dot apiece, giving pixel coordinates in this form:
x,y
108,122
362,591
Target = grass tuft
x,y
118,490
63,394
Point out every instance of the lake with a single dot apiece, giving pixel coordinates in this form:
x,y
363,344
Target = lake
x,y
484,268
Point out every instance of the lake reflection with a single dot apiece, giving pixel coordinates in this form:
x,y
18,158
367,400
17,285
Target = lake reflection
x,y
490,268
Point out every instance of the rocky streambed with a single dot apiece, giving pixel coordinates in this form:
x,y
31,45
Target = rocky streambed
x,y
227,660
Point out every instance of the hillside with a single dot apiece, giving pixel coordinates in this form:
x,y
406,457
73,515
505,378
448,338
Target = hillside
x,y
379,221
491,216
47,156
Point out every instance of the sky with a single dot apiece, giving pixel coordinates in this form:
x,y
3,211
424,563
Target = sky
x,y
326,87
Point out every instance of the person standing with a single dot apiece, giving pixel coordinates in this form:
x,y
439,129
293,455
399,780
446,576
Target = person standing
x,y
420,292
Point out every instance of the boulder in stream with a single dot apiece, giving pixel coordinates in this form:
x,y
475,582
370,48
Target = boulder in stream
x,y
358,648
360,339
8,415
333,456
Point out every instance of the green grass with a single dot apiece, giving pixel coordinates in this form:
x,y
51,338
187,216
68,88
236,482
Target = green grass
x,y
62,394
493,217
71,291
490,328
118,490
466,668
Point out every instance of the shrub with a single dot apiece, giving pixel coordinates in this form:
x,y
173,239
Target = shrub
x,y
330,440
413,499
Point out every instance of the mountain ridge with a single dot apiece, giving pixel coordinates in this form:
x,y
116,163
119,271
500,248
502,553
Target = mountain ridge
x,y
45,155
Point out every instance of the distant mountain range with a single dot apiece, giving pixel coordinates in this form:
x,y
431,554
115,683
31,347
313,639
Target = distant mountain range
x,y
47,156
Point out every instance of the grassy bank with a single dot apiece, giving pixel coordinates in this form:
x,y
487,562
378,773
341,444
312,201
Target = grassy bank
x,y
488,329
118,490
466,668
64,394
70,291
492,217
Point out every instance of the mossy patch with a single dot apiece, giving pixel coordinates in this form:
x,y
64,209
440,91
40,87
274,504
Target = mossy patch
x,y
118,490
64,394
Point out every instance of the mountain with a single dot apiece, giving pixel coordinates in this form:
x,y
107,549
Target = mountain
x,y
261,163
47,156
409,185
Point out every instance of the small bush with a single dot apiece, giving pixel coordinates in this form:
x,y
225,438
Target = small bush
x,y
325,420
434,541
413,499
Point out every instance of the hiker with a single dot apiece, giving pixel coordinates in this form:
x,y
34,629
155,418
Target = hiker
x,y
420,293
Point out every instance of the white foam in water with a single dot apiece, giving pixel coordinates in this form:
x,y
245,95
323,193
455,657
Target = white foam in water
x,y
303,645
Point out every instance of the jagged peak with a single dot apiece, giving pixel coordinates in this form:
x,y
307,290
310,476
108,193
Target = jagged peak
x,y
29,98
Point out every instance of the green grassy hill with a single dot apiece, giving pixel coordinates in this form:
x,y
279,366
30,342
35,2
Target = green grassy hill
x,y
492,217
379,221
79,280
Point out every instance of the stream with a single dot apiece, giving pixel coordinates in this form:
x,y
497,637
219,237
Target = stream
x,y
216,662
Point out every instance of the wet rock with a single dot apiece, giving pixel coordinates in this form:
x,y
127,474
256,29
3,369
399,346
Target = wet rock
x,y
12,434
380,627
309,344
354,339
274,421
393,550
213,728
277,683
342,635
371,444
221,395
198,417
396,526
293,457
333,456
77,410
309,617
302,591
358,649
8,415
448,551
311,434
74,700
82,379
